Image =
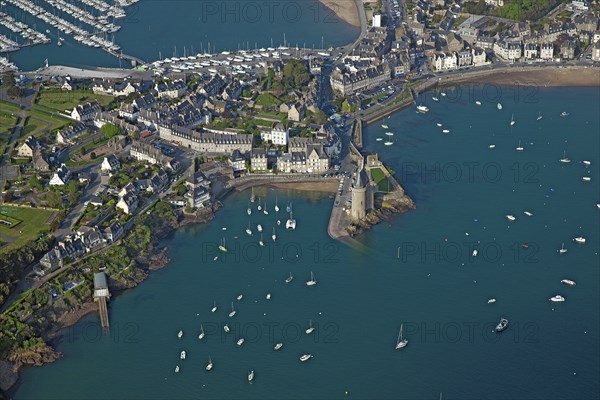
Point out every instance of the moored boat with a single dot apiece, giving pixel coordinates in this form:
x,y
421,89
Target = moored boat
x,y
502,325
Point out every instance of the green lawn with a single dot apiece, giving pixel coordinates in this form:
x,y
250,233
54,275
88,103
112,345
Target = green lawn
x,y
34,221
61,100
380,179
9,107
267,100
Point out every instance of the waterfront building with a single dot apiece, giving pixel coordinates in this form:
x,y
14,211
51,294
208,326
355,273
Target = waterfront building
x,y
530,51
596,51
113,88
206,142
259,160
547,51
508,50
237,161
347,82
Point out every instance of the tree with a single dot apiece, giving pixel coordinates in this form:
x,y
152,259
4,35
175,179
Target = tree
x,y
34,182
110,130
93,155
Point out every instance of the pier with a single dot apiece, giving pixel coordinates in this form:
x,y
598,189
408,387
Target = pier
x,y
101,296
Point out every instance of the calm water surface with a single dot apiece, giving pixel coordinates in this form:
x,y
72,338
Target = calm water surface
x,y
415,270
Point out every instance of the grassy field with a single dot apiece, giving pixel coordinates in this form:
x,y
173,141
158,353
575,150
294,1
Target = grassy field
x,y
5,106
7,124
34,221
40,123
267,100
60,100
380,179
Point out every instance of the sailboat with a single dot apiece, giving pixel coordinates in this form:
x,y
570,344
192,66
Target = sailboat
x,y
265,209
499,106
222,247
539,116
248,230
182,355
274,236
564,159
519,148
259,227
260,242
177,369
214,307
312,281
310,329
562,249
512,120
259,207
290,223
232,313
401,343
209,366
180,334
201,335
288,208
252,196
276,206
250,376
249,210
289,278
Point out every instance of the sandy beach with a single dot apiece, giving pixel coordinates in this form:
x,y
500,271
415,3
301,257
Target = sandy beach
x,y
344,9
536,76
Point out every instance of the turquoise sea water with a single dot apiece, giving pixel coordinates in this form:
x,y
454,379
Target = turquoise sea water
x,y
367,288
166,27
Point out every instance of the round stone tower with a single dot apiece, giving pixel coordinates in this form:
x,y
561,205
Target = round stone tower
x,y
359,196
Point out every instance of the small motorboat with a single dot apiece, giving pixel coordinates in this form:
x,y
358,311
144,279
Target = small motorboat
x,y
182,355
580,240
226,328
502,325
492,146
240,341
564,114
586,178
422,109
443,94
209,366
268,297
568,282
278,346
384,127
180,334
435,99
250,376
439,124
474,254
525,246
587,163
240,296
491,301
499,106
557,299
478,102
305,357
446,131
510,217
529,214
379,139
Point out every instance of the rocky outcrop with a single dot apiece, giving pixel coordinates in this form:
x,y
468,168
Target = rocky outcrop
x,y
8,375
396,202
35,356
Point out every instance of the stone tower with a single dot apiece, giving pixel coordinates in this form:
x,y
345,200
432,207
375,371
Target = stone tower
x,y
359,196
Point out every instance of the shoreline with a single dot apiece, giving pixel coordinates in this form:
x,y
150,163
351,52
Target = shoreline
x,y
347,14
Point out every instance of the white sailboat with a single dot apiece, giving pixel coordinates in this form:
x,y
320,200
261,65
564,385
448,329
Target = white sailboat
x,y
310,329
278,346
290,223
265,209
240,297
259,227
226,328
252,196
182,355
499,106
400,342
289,278
276,206
249,210
305,357
539,116
519,147
176,369
564,158
312,281
232,313
222,247
274,236
214,307
478,102
180,334
288,208
259,207
201,335
209,366
248,230
562,249
240,341
260,242
250,376
512,120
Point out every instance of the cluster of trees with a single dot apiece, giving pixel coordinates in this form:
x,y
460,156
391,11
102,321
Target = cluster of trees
x,y
12,263
8,82
518,10
295,76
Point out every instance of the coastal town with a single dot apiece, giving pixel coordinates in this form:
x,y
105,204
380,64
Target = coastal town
x,y
99,165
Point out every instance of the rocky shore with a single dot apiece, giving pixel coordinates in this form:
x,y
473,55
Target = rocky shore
x,y
396,202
